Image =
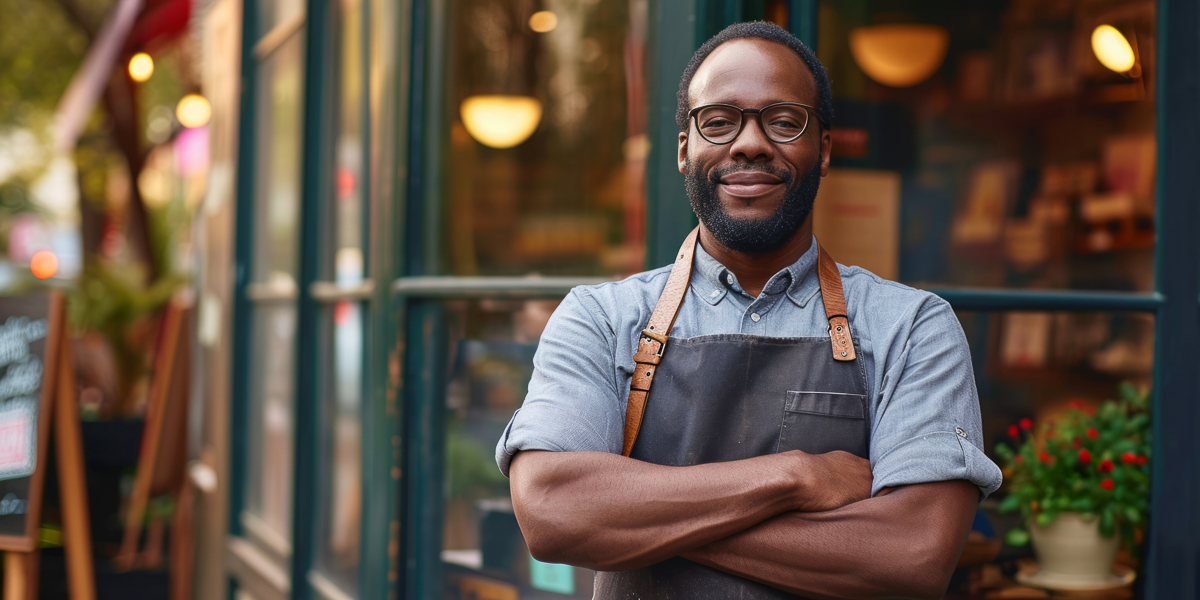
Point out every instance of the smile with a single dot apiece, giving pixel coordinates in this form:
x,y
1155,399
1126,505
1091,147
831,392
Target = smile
x,y
749,184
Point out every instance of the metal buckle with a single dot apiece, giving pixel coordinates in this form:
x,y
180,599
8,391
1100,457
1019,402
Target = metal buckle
x,y
655,337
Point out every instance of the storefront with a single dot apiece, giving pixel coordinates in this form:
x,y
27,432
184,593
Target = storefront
x,y
418,183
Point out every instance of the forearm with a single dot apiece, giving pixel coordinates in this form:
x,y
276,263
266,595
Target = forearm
x,y
609,512
904,544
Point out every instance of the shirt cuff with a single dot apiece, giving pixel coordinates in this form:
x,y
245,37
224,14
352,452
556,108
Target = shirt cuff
x,y
937,456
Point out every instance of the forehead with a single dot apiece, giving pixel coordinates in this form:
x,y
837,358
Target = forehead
x,y
752,72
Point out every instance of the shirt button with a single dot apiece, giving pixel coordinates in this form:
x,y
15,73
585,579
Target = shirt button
x,y
960,432
754,317
715,293
729,278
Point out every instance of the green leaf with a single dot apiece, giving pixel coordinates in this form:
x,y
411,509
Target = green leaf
x,y
1011,503
1016,537
1046,518
1106,523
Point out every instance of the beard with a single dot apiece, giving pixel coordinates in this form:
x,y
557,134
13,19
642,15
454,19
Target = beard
x,y
752,236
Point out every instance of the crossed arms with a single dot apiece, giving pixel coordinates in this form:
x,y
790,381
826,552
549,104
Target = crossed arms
x,y
800,522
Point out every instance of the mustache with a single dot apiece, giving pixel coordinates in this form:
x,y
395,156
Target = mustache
x,y
714,176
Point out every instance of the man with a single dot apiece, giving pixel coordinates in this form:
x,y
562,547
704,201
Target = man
x,y
703,430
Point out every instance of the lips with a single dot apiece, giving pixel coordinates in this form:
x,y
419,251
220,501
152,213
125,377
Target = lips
x,y
749,184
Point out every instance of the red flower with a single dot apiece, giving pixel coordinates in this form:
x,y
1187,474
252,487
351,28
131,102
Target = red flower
x,y
1129,458
1085,457
1013,431
1025,423
1077,443
1092,433
1107,485
1044,457
1075,404
1106,466
1141,460
1020,458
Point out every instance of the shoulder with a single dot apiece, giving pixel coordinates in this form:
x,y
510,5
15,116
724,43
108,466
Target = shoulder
x,y
617,301
897,311
878,295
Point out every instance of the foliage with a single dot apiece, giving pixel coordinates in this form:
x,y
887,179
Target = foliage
x,y
112,299
1093,462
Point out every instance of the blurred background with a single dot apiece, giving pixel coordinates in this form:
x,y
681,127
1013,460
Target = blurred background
x,y
359,215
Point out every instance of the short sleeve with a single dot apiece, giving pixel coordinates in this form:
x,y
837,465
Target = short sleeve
x,y
573,403
926,426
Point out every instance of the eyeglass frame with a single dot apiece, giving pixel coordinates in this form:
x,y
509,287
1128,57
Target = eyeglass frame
x,y
810,111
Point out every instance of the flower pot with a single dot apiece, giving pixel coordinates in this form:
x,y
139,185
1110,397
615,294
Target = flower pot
x,y
1072,552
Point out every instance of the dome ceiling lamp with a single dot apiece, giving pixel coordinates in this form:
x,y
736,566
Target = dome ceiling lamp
x,y
505,120
500,120
899,55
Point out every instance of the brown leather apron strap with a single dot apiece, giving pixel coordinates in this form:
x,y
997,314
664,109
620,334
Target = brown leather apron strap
x,y
653,340
835,306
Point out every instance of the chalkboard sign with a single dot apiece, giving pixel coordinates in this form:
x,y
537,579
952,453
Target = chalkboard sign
x,y
30,337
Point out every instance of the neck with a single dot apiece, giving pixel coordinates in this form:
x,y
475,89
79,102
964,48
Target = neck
x,y
753,271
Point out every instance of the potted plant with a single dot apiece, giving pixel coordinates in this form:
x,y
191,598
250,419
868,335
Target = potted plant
x,y
1081,482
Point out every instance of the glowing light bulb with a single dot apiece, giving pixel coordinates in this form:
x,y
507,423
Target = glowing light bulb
x,y
43,264
543,21
141,67
1112,49
193,110
900,55
501,121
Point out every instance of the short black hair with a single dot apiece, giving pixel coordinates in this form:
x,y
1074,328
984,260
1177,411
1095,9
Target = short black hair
x,y
767,31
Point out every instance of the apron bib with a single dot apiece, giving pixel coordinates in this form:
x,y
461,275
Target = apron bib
x,y
730,397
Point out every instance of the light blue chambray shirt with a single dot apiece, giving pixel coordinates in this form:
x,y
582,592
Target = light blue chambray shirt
x,y
923,405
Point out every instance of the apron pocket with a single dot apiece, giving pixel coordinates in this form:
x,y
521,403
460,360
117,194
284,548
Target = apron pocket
x,y
820,422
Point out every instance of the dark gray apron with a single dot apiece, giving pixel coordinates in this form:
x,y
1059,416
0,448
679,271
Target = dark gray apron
x,y
729,397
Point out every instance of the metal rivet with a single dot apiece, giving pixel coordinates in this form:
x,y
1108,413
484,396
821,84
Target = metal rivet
x,y
962,434
843,353
647,373
839,327
651,328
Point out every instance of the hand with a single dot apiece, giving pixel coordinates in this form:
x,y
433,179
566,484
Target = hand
x,y
833,480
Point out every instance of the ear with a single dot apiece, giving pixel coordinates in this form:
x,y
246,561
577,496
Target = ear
x,y
683,140
826,150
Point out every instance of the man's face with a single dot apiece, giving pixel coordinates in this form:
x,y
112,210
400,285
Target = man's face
x,y
752,194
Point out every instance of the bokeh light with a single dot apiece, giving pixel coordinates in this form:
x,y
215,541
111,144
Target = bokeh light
x,y
141,67
501,121
543,21
193,110
43,264
1112,49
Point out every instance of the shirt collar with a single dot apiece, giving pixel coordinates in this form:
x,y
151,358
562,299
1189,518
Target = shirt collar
x,y
712,281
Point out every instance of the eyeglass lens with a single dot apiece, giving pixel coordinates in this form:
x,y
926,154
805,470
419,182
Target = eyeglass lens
x,y
782,123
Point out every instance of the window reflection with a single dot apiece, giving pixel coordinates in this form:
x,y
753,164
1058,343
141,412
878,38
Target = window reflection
x,y
339,511
1021,162
492,345
272,400
277,164
546,137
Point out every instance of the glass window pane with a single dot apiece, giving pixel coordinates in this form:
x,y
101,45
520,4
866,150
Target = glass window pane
x,y
275,12
345,227
277,165
271,398
339,511
1032,369
492,345
1018,160
547,142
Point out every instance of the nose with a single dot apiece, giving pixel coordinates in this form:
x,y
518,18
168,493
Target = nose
x,y
751,145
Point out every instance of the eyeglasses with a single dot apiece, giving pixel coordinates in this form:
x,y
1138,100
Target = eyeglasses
x,y
782,122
